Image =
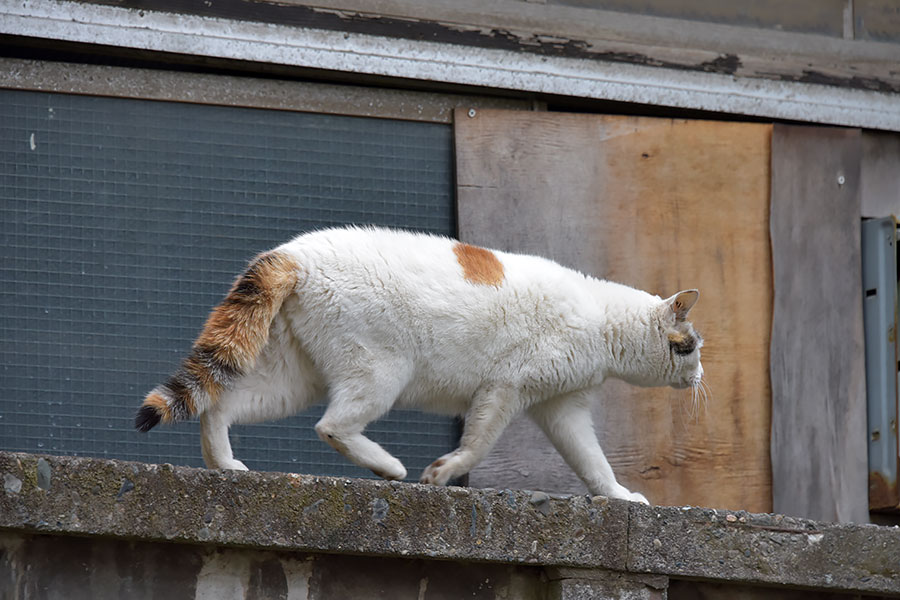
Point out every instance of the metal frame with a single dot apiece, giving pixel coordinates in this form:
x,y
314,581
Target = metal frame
x,y
247,92
879,256
363,54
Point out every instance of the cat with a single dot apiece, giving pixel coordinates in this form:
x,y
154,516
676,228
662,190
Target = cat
x,y
377,318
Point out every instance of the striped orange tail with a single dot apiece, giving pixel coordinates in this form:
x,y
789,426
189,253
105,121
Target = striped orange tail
x,y
232,338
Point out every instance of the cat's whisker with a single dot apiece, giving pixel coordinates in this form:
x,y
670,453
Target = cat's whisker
x,y
707,394
696,392
692,404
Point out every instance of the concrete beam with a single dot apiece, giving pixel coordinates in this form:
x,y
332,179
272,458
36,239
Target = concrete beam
x,y
299,36
289,512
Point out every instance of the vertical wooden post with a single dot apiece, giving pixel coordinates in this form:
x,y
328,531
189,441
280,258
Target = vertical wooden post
x,y
819,462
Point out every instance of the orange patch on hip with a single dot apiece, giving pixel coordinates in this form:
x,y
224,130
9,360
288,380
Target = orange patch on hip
x,y
479,265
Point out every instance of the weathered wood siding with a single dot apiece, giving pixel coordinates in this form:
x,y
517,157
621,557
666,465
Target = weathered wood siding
x,y
662,205
818,362
880,174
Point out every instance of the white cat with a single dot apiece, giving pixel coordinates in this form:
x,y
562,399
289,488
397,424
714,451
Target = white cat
x,y
374,319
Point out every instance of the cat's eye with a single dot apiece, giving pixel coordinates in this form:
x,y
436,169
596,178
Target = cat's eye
x,y
684,343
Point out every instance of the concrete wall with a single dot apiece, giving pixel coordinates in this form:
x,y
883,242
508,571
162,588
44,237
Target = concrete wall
x,y
84,528
74,568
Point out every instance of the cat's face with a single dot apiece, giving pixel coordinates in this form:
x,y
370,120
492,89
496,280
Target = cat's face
x,y
669,353
684,354
682,367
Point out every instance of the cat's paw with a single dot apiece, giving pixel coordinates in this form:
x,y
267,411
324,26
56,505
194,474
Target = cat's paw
x,y
440,471
622,493
638,497
393,470
233,465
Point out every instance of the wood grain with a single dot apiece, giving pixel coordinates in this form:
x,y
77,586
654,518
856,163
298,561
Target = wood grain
x,y
818,361
880,174
659,204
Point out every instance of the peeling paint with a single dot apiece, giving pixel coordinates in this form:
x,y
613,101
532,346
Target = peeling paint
x,y
297,573
224,576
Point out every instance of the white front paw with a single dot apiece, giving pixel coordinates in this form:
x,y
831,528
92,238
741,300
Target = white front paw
x,y
638,497
234,465
440,471
622,493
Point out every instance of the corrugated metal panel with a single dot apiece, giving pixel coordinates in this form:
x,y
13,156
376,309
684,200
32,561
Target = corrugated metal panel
x,y
123,222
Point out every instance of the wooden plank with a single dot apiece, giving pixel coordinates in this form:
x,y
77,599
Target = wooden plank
x,y
662,205
818,365
823,17
880,174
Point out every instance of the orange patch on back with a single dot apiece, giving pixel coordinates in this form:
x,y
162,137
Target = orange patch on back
x,y
479,265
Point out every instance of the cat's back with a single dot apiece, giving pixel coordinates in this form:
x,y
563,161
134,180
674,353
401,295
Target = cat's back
x,y
381,257
422,263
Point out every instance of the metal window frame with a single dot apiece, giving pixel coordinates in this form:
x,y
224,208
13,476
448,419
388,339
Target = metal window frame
x,y
243,92
880,313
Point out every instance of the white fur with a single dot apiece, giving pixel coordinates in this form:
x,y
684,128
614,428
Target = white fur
x,y
383,319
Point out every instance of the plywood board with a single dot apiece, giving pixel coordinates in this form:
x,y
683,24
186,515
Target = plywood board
x,y
662,205
880,174
818,351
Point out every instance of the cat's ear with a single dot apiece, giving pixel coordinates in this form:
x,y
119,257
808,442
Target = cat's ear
x,y
682,303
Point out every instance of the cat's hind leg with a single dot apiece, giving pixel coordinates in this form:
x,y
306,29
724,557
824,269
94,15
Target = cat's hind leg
x,y
282,383
215,444
490,412
353,403
567,422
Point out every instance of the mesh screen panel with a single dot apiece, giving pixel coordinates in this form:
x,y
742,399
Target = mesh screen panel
x,y
122,222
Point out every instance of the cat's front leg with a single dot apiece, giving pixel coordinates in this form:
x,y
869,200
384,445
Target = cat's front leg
x,y
567,422
491,411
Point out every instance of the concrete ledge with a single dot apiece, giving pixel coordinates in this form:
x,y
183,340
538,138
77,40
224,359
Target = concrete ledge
x,y
276,512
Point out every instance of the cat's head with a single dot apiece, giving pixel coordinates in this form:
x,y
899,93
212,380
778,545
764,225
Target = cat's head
x,y
667,348
683,343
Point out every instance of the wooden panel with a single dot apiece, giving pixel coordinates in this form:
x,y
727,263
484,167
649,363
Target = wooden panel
x,y
658,204
880,174
824,17
877,20
818,365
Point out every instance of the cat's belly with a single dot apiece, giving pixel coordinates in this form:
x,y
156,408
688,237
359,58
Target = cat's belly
x,y
440,397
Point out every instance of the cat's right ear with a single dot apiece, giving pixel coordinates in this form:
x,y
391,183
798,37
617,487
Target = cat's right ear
x,y
682,303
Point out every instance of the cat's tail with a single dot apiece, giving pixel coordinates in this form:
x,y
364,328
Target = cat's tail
x,y
232,338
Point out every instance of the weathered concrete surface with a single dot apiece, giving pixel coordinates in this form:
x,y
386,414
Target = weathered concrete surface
x,y
584,584
286,514
41,567
36,567
317,514
764,549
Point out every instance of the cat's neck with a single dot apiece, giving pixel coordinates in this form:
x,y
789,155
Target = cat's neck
x,y
619,328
